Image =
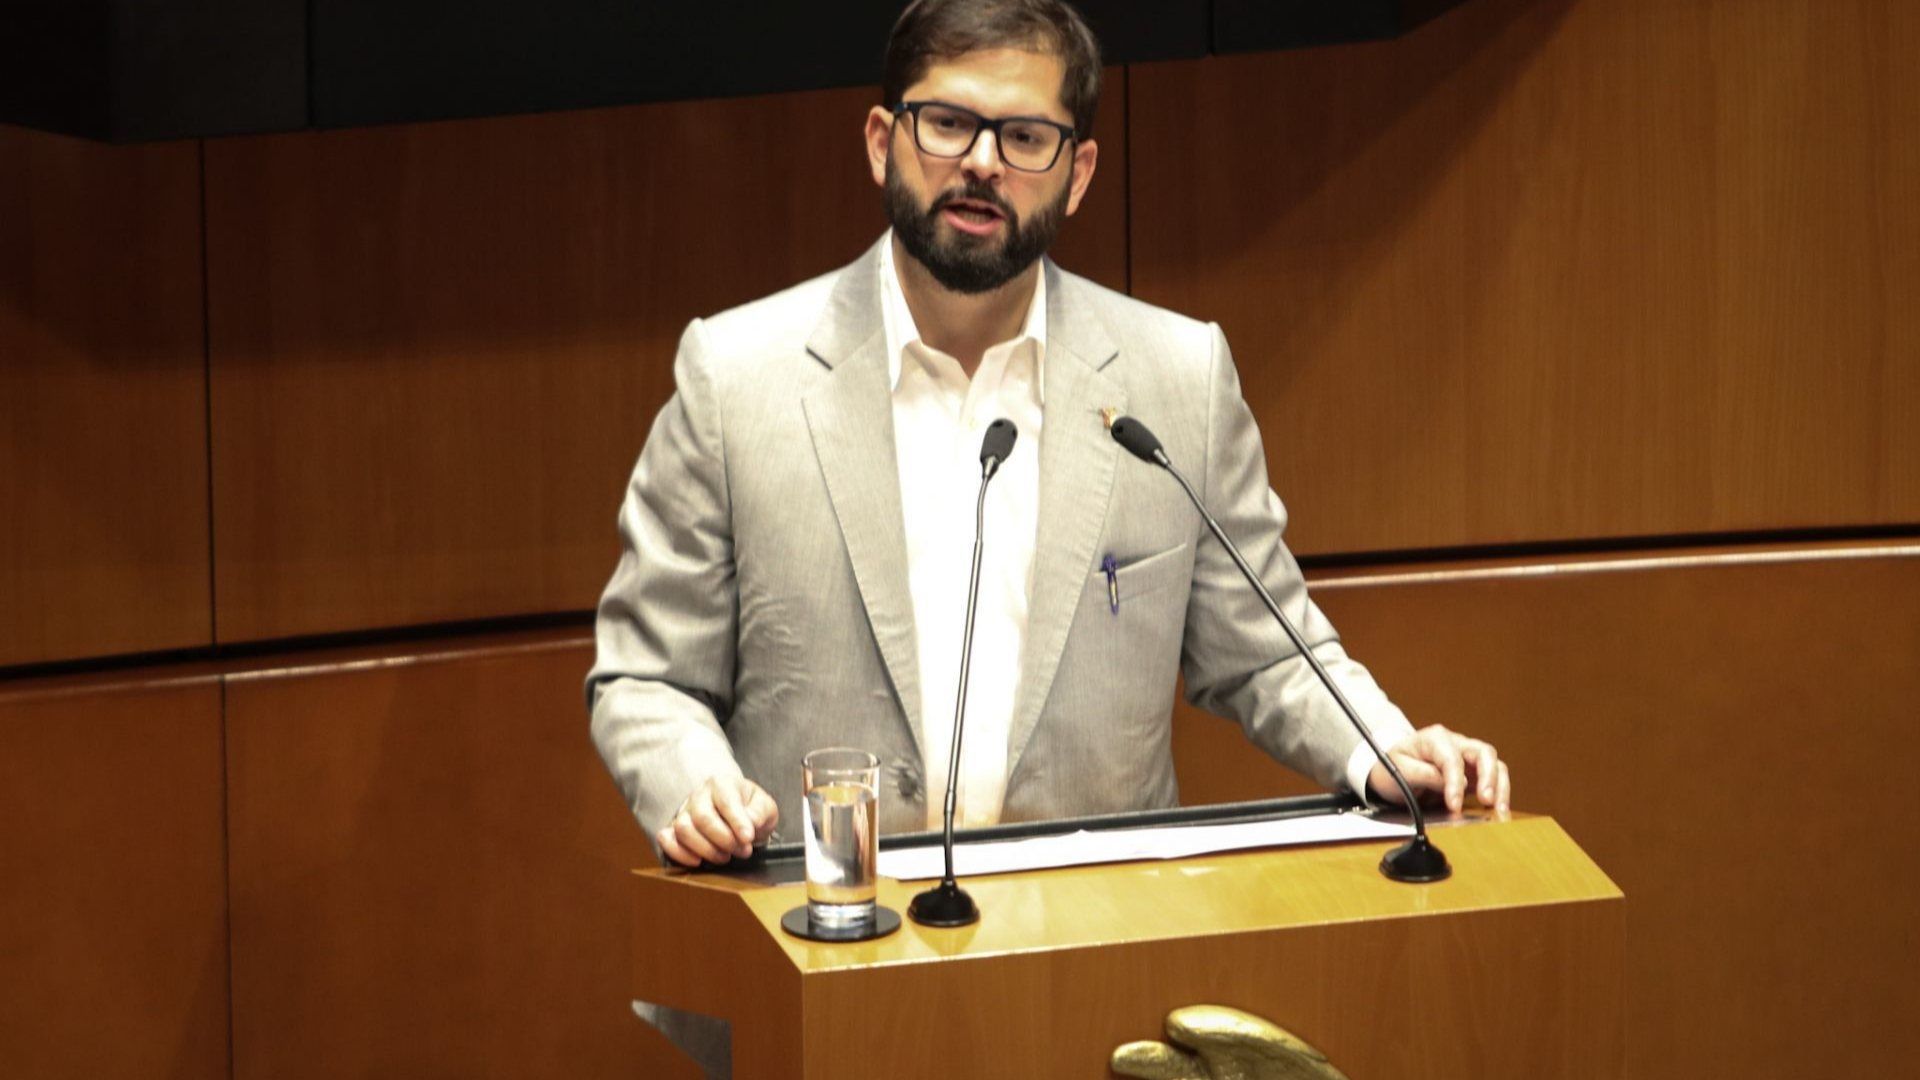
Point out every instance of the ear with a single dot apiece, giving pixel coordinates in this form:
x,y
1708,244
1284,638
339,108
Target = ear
x,y
879,138
1086,155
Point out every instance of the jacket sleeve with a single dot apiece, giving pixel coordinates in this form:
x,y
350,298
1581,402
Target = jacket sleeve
x,y
662,679
1238,663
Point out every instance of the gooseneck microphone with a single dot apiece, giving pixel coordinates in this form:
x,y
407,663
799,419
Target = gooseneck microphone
x,y
1417,860
947,904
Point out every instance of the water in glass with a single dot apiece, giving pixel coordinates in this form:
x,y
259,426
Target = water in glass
x,y
843,844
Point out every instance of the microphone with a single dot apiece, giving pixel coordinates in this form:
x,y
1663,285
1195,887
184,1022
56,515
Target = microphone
x,y
1415,861
1138,441
947,904
995,447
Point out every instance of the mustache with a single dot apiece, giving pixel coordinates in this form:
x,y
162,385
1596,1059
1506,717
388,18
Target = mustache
x,y
974,191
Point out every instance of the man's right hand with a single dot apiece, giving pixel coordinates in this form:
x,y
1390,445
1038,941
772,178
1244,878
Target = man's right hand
x,y
722,819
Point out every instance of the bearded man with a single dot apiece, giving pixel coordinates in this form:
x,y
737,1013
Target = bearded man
x,y
798,529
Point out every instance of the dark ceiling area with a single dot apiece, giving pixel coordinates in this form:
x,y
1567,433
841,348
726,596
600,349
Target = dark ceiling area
x,y
141,70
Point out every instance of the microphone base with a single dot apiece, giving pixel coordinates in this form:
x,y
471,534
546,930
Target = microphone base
x,y
946,904
1416,862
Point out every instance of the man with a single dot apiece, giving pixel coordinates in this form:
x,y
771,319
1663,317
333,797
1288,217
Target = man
x,y
798,528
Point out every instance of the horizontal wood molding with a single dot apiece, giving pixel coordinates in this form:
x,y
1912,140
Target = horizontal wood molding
x,y
1548,270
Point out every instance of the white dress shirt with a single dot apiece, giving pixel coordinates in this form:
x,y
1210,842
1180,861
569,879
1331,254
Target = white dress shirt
x,y
939,417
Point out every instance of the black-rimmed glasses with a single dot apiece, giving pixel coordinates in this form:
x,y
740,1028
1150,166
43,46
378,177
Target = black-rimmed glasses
x,y
1027,143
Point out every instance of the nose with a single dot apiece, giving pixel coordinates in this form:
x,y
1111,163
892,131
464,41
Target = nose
x,y
983,161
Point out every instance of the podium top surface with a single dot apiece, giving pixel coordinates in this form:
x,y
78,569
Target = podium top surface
x,y
1516,861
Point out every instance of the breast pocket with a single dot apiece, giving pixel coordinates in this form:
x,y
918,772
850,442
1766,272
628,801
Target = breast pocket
x,y
1148,574
1142,610
1117,677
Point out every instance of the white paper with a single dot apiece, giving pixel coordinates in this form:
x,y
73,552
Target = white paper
x,y
1125,845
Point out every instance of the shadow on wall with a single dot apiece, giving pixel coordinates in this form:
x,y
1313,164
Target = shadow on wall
x,y
99,253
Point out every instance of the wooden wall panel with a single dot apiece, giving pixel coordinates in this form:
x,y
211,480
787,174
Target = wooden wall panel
x,y
1731,743
1093,243
429,869
112,882
438,348
103,474
1547,269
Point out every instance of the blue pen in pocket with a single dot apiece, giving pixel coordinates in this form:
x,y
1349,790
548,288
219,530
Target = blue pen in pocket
x,y
1113,582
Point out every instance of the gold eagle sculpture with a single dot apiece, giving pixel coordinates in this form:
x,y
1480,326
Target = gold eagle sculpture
x,y
1213,1042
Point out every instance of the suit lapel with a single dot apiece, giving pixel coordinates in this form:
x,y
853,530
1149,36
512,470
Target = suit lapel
x,y
850,420
1077,459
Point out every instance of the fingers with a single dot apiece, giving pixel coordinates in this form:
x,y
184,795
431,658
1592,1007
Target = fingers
x,y
695,838
1440,748
722,820
711,823
1438,760
1420,776
671,847
730,814
699,832
1488,770
762,811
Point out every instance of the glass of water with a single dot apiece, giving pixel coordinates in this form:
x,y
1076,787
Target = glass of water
x,y
842,836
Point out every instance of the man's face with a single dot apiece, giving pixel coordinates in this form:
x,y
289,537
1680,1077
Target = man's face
x,y
974,222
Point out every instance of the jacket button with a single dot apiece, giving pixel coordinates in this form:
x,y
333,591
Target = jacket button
x,y
906,779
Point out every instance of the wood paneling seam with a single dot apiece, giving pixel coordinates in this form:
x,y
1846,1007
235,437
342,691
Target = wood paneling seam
x,y
1601,566
382,663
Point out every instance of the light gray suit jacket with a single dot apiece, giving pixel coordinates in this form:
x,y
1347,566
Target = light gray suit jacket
x,y
761,609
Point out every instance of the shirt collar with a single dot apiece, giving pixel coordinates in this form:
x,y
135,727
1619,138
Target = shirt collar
x,y
900,331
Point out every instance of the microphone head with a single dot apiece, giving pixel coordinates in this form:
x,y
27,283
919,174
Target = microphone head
x,y
1139,442
998,442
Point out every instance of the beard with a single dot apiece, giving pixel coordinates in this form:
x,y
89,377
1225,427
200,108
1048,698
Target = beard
x,y
963,263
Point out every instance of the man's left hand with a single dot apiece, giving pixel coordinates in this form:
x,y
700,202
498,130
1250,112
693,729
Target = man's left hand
x,y
1434,759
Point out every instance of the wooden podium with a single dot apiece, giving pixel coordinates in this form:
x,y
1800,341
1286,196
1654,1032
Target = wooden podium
x,y
1510,970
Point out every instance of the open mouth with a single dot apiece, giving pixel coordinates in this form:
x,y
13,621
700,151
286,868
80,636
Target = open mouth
x,y
972,215
974,211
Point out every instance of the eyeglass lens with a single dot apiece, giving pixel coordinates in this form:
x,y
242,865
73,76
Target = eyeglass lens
x,y
945,131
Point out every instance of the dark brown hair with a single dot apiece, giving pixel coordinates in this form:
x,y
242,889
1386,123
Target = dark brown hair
x,y
932,30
